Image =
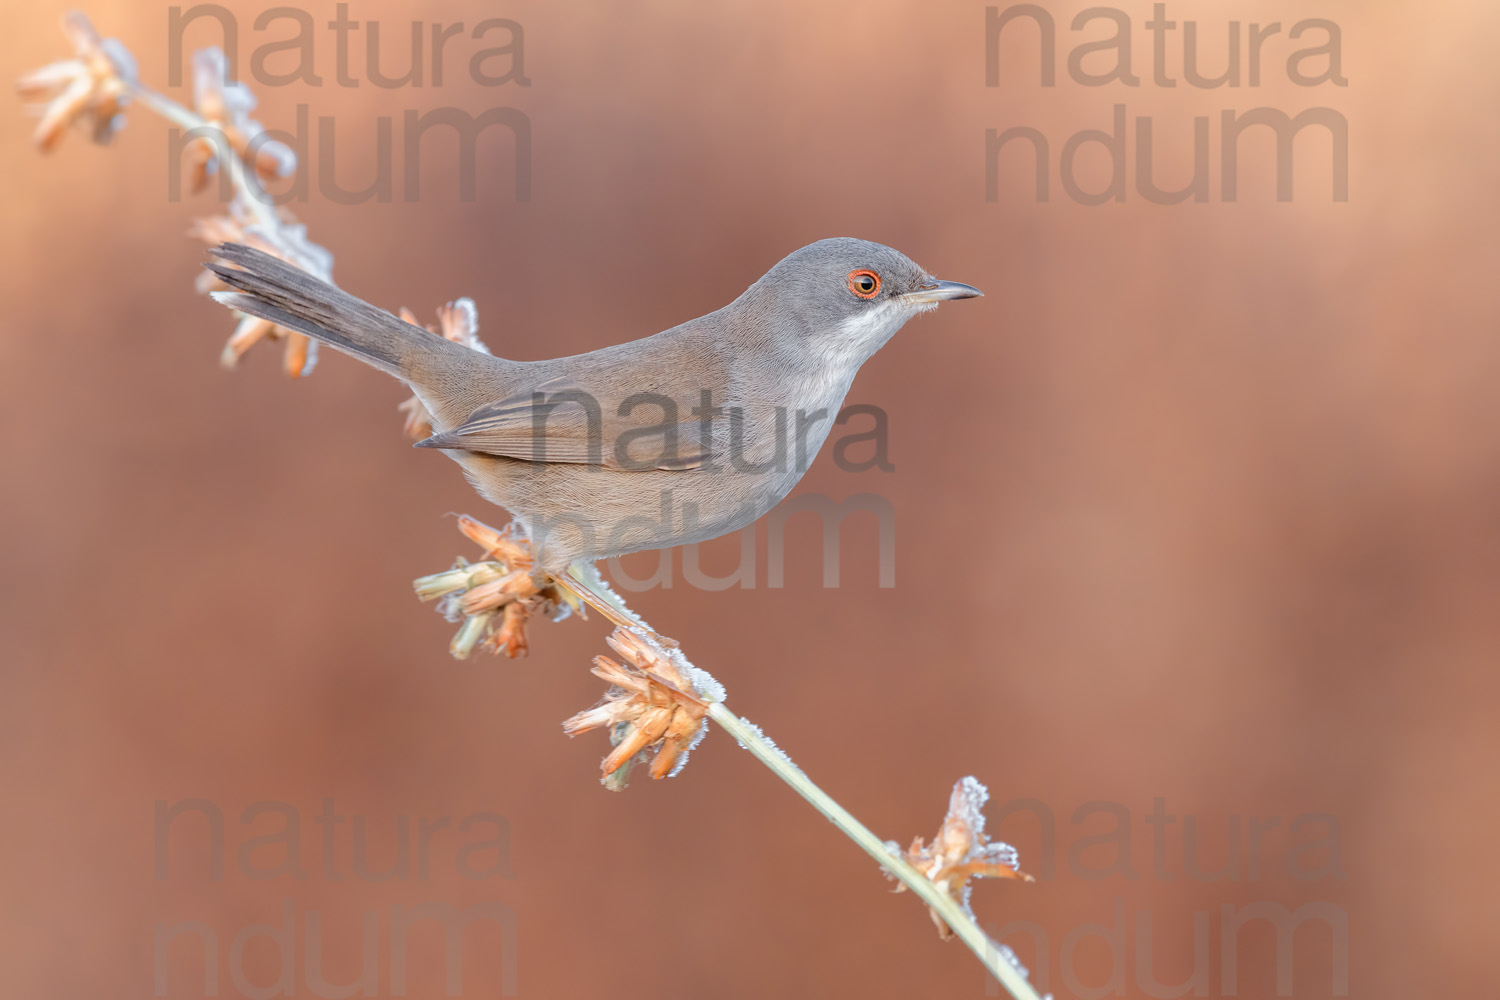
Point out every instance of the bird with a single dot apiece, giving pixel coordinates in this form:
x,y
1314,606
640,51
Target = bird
x,y
678,437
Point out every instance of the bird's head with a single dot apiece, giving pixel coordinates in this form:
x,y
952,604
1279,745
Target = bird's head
x,y
846,297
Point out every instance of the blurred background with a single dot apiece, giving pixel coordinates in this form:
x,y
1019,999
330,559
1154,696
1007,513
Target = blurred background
x,y
1198,505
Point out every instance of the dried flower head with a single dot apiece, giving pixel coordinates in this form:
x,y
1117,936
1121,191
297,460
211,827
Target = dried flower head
x,y
458,321
961,851
494,598
226,108
658,701
287,240
91,89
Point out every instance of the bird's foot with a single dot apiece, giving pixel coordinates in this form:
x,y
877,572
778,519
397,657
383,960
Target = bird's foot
x,y
495,598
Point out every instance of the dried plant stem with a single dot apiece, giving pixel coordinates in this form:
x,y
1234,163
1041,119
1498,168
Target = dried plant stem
x,y
585,581
987,951
253,196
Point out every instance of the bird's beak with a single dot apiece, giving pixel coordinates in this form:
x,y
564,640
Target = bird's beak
x,y
941,291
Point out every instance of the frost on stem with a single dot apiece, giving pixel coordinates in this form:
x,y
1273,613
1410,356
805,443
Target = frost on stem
x,y
961,851
588,573
770,745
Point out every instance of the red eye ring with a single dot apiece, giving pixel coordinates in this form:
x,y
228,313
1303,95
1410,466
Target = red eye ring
x,y
864,284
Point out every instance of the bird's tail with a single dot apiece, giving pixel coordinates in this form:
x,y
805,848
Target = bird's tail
x,y
289,297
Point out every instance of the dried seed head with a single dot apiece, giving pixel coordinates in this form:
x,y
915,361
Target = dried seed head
x,y
287,241
657,700
91,89
494,599
961,851
458,321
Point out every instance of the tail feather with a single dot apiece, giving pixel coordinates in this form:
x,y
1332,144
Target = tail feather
x,y
272,289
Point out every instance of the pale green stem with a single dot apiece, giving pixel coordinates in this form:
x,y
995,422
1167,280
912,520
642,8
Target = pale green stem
x,y
586,574
951,913
751,738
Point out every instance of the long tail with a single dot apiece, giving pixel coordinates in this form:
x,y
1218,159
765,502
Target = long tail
x,y
289,297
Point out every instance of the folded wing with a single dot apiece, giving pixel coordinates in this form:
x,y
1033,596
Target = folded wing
x,y
560,422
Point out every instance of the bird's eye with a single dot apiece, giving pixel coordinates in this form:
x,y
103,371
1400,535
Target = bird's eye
x,y
864,283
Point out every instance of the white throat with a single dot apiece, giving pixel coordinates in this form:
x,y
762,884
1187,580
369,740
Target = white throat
x,y
852,342
843,349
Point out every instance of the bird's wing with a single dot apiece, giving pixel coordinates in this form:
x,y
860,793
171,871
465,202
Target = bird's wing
x,y
560,422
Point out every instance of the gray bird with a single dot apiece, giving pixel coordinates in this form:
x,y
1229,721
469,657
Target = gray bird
x,y
679,437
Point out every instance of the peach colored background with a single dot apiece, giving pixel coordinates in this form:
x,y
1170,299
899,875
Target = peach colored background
x,y
1198,503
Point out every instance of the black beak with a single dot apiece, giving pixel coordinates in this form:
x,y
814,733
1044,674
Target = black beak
x,y
941,291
